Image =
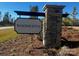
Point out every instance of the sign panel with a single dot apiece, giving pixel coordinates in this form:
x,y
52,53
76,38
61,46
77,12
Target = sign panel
x,y
27,26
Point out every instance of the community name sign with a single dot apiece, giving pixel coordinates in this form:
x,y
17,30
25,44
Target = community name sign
x,y
27,26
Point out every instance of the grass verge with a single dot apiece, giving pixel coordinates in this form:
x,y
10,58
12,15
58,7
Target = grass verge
x,y
7,34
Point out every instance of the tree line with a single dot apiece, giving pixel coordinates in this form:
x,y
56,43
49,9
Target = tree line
x,y
7,20
71,20
68,21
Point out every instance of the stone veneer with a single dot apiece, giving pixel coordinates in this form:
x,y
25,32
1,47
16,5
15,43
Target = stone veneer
x,y
52,26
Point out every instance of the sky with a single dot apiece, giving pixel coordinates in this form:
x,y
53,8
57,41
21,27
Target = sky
x,y
25,6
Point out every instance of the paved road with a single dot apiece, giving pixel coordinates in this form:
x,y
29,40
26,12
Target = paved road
x,y
6,27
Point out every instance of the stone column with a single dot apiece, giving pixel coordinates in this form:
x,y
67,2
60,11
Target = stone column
x,y
52,26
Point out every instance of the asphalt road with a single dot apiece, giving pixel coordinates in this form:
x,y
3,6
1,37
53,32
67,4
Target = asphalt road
x,y
6,27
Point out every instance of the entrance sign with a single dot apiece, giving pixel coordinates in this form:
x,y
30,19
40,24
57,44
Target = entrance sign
x,y
51,27
27,26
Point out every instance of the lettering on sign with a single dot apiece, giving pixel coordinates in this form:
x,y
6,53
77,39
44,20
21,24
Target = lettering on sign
x,y
27,26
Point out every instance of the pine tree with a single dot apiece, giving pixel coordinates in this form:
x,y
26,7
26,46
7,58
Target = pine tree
x,y
6,18
34,9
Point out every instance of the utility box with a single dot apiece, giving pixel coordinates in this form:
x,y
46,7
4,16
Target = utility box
x,y
52,26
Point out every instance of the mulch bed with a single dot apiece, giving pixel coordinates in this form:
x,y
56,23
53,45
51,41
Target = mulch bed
x,y
31,45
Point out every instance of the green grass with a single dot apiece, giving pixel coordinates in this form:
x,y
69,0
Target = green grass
x,y
7,34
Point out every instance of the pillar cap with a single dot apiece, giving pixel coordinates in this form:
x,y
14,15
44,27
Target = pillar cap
x,y
53,6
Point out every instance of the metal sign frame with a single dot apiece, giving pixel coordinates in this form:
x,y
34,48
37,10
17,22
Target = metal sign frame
x,y
36,13
32,14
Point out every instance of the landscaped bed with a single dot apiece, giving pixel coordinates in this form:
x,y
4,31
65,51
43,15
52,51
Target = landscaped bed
x,y
26,44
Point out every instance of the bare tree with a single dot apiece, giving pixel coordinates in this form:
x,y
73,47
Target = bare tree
x,y
74,13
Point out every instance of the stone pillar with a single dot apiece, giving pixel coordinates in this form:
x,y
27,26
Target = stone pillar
x,y
52,26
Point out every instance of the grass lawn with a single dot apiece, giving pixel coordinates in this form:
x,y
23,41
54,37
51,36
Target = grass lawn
x,y
7,34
